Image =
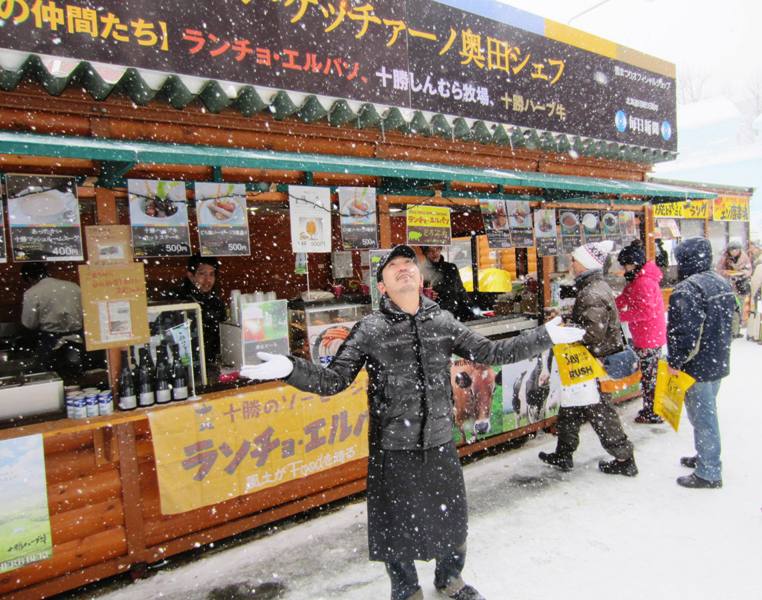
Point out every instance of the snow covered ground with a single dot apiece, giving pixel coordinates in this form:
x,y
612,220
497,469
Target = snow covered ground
x,y
536,533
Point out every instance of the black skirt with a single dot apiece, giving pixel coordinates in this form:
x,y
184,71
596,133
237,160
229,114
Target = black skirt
x,y
416,504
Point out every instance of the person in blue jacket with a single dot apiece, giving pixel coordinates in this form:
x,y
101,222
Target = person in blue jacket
x,y
699,332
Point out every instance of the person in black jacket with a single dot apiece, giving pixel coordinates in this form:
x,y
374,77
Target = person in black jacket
x,y
416,493
699,332
445,280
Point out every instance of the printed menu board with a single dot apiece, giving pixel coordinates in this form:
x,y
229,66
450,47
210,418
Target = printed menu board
x,y
43,213
357,207
310,212
546,232
591,225
508,223
223,222
571,230
159,218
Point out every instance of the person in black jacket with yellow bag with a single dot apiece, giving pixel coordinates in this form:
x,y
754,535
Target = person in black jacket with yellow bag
x,y
416,493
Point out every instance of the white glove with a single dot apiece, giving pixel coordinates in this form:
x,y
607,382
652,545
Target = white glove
x,y
273,366
559,334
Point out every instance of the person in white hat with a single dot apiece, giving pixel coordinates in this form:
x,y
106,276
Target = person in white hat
x,y
595,311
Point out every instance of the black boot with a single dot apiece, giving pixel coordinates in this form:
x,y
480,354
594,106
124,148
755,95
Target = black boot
x,y
694,481
689,461
619,467
562,461
467,592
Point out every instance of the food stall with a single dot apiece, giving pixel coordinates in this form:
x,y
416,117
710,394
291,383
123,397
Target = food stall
x,y
257,152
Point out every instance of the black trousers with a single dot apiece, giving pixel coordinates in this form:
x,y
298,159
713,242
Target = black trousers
x,y
404,577
603,419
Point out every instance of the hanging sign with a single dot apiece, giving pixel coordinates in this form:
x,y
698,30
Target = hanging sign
x,y
428,225
357,207
114,305
591,225
159,218
576,364
571,230
546,232
520,222
668,210
730,208
43,213
223,221
25,535
495,217
211,451
610,225
628,226
310,212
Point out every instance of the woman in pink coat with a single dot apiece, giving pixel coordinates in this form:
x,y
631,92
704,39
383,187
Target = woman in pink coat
x,y
641,306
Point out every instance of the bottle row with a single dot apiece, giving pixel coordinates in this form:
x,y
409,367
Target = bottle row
x,y
143,383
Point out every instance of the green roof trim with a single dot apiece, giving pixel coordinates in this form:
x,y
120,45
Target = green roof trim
x,y
126,153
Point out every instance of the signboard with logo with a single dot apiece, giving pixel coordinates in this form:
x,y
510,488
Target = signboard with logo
x,y
424,55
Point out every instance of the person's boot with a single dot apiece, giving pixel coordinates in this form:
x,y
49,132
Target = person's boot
x,y
689,461
417,595
467,592
694,481
627,467
649,418
556,459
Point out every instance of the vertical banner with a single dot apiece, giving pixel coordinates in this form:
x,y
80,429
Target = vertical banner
x,y
627,226
310,212
591,225
428,225
495,217
158,217
3,249
43,213
264,327
114,305
520,222
610,222
357,207
24,516
211,451
223,222
571,230
546,232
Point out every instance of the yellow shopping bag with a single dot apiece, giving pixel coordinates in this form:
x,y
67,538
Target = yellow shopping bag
x,y
670,393
576,364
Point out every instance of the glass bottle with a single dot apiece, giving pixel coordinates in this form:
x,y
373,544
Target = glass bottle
x,y
127,398
145,379
179,376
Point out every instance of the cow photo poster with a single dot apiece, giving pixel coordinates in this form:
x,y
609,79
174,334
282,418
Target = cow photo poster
x,y
531,391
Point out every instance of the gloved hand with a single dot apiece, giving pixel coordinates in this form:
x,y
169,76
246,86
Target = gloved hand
x,y
273,366
559,334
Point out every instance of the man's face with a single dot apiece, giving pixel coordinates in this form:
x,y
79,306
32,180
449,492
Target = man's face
x,y
434,253
203,278
400,275
629,268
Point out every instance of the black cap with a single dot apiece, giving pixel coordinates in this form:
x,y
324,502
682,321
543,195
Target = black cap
x,y
400,250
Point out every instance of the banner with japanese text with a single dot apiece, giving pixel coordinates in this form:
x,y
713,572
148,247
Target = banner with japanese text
x,y
25,535
310,215
730,208
688,209
546,231
43,213
158,218
506,67
357,207
211,451
428,225
223,221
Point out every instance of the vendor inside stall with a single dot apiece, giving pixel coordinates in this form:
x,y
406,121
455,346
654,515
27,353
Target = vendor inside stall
x,y
443,277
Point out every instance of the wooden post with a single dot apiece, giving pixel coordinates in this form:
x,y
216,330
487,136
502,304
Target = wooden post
x,y
384,222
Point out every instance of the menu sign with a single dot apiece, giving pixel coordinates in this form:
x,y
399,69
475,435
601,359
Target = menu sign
x,y
546,232
520,222
43,212
508,223
591,225
610,224
310,211
223,222
428,225
571,230
114,305
159,218
264,327
628,227
357,207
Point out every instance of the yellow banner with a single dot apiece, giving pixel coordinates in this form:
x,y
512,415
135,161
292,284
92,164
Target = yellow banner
x,y
670,393
428,216
576,364
730,208
211,451
690,209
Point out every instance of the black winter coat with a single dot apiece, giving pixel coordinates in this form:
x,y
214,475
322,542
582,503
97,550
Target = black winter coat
x,y
700,317
408,363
